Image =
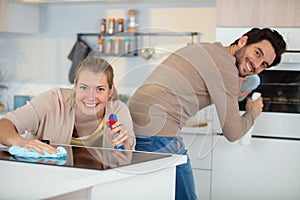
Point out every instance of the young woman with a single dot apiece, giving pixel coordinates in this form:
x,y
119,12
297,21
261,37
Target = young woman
x,y
76,116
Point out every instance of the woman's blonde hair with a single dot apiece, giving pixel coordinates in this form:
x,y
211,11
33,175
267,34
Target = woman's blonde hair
x,y
97,65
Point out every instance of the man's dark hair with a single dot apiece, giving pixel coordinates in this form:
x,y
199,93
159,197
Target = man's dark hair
x,y
256,35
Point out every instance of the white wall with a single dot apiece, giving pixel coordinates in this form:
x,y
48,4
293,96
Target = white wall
x,y
42,58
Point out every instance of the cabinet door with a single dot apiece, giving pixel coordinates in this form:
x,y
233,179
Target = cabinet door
x,y
18,17
282,13
264,169
202,183
199,149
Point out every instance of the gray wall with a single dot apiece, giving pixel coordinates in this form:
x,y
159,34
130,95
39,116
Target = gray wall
x,y
42,58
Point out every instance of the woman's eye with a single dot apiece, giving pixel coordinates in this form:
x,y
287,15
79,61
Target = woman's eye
x,y
100,89
82,87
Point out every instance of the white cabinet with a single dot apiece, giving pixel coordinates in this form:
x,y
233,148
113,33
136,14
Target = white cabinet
x,y
202,182
198,142
18,18
264,169
199,146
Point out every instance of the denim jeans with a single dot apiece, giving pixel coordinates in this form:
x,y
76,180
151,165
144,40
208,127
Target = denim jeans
x,y
185,187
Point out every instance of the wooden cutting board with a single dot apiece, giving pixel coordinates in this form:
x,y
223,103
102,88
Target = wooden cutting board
x,y
195,124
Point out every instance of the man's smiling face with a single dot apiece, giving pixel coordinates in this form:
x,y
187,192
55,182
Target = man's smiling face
x,y
254,58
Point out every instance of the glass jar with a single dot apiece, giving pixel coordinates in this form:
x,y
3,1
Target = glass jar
x,y
108,45
117,45
103,25
132,21
127,45
101,45
120,26
111,25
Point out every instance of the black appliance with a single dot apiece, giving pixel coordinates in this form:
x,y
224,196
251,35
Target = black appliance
x,y
89,158
280,91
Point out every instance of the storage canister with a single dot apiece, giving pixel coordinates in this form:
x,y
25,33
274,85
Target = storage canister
x,y
103,25
108,45
111,25
132,21
101,45
117,45
127,45
120,25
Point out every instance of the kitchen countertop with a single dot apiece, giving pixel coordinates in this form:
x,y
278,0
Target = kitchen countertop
x,y
21,180
267,124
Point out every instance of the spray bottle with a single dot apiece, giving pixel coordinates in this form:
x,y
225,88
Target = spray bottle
x,y
113,119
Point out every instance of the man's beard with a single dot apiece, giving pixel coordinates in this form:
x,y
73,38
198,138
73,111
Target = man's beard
x,y
239,55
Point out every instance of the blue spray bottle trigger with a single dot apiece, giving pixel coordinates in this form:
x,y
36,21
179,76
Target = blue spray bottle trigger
x,y
113,119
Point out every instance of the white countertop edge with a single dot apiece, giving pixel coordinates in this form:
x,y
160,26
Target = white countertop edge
x,y
69,179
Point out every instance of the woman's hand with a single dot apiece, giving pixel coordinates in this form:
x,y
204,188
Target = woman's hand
x,y
10,137
37,145
123,136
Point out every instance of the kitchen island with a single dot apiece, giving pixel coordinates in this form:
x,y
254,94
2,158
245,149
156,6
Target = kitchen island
x,y
106,174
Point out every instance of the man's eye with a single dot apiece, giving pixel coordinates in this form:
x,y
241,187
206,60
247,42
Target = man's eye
x,y
257,53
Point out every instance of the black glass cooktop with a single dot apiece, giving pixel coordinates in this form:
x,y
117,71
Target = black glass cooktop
x,y
90,158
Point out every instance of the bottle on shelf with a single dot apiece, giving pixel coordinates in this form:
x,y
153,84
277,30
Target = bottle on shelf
x,y
120,25
127,45
102,25
117,45
108,45
101,45
111,26
132,21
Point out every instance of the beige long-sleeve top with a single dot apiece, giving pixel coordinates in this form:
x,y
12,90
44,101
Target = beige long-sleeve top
x,y
51,116
187,81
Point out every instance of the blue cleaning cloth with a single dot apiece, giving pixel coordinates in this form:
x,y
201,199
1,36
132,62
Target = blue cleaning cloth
x,y
53,161
22,152
252,83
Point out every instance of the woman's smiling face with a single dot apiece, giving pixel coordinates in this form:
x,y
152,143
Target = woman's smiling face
x,y
92,93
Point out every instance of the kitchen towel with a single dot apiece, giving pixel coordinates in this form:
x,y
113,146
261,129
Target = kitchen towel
x,y
52,161
22,152
79,51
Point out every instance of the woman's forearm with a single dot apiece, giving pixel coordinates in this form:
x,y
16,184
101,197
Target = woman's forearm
x,y
8,133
